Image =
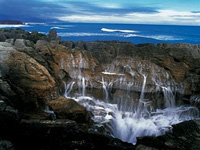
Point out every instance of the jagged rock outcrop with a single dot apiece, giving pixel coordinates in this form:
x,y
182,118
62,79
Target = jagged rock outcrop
x,y
25,84
35,70
180,60
6,34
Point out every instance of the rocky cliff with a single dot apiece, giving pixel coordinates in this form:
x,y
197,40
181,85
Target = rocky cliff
x,y
35,68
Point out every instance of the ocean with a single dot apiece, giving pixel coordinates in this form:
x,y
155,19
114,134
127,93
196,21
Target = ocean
x,y
135,33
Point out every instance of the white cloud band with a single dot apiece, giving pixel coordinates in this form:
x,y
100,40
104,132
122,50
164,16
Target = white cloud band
x,y
161,17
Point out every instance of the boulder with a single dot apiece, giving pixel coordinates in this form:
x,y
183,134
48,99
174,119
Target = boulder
x,y
52,36
32,81
69,109
25,82
20,43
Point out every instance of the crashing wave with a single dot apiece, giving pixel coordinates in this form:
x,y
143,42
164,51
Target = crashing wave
x,y
67,34
117,30
34,23
56,28
156,37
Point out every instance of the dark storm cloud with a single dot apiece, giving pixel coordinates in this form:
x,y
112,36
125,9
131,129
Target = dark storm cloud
x,y
29,10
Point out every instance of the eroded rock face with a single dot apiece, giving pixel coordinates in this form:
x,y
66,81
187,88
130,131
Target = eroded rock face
x,y
29,75
32,80
64,63
180,60
24,81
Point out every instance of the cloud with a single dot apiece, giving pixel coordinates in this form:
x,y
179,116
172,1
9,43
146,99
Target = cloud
x,y
109,8
104,12
161,17
29,10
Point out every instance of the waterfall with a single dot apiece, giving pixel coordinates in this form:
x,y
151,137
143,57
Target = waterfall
x,y
68,88
168,97
83,86
141,102
124,113
105,89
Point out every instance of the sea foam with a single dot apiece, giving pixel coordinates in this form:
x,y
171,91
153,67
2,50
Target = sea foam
x,y
117,30
67,34
12,25
156,37
57,28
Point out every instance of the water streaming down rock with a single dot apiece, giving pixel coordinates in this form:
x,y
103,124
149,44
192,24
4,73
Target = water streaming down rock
x,y
68,88
138,100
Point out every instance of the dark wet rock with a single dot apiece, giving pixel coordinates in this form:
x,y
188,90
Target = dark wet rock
x,y
68,44
34,36
142,147
6,34
184,136
6,145
2,37
52,36
69,109
60,135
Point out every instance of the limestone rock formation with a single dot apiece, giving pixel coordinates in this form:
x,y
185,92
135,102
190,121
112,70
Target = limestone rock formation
x,y
37,70
25,82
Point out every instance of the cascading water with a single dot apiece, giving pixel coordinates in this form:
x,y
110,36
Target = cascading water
x,y
123,115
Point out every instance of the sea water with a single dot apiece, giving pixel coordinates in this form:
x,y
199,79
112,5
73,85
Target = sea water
x,y
135,33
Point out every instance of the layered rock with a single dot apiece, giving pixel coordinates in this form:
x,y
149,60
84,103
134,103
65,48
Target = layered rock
x,y
36,70
180,60
25,84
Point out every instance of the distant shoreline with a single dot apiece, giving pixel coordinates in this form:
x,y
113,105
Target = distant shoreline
x,y
11,22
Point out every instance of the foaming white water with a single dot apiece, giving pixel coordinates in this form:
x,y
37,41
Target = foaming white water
x,y
35,23
57,28
124,33
127,117
67,34
157,37
12,25
117,30
68,88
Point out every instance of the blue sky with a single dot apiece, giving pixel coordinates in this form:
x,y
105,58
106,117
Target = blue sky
x,y
179,12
